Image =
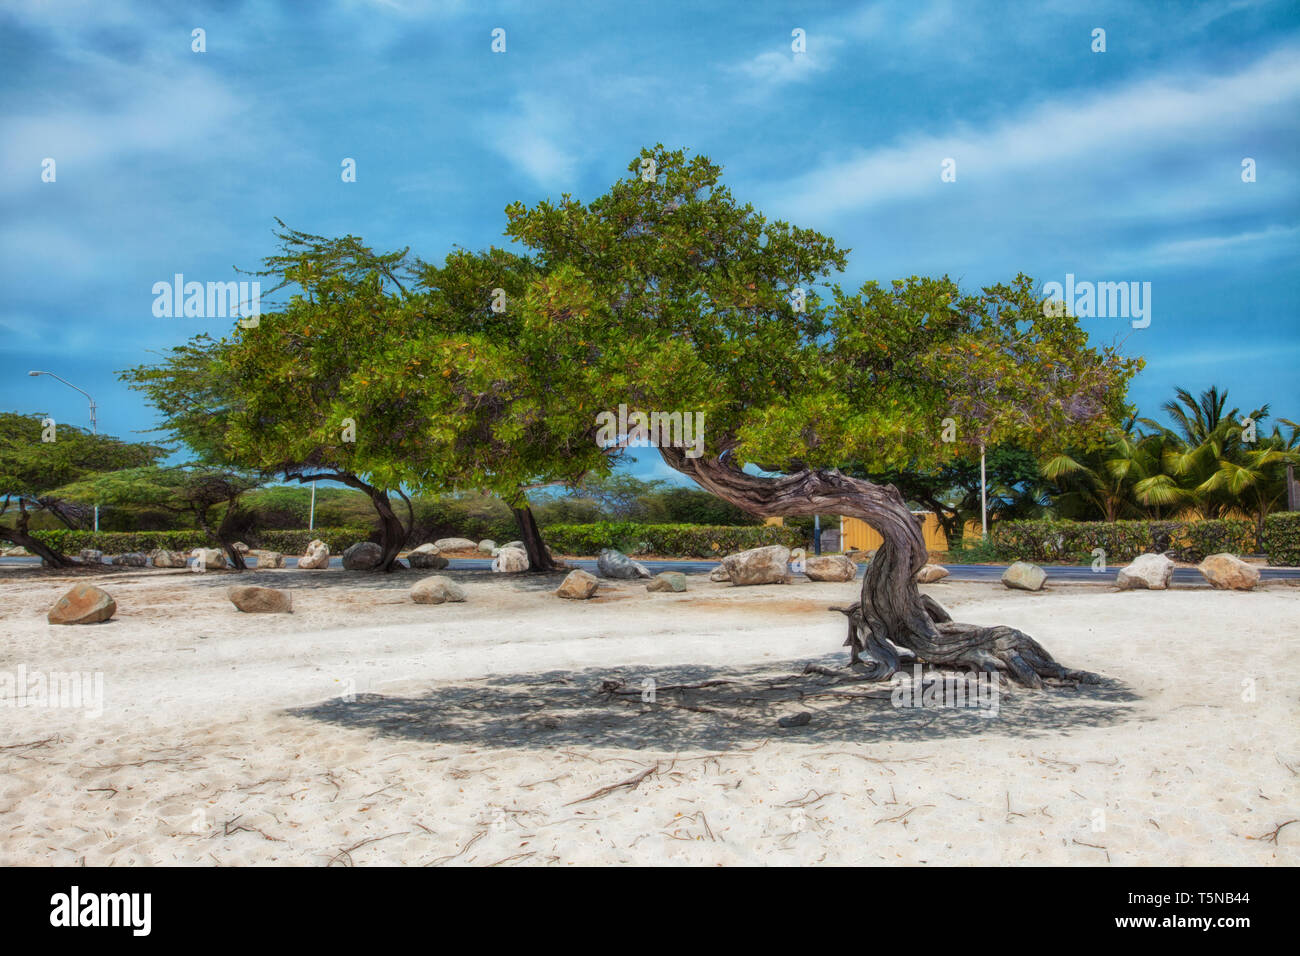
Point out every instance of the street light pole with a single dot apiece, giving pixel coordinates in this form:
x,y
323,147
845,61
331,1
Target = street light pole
x,y
94,423
984,499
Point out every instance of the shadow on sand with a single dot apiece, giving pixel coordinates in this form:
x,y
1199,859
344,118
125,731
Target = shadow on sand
x,y
734,708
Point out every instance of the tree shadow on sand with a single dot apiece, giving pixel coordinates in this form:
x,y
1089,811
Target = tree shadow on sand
x,y
706,708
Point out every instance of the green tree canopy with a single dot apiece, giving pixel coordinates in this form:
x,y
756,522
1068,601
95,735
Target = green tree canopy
x,y
32,469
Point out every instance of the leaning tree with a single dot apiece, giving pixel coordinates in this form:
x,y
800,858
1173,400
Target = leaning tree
x,y
207,496
37,456
666,294
327,386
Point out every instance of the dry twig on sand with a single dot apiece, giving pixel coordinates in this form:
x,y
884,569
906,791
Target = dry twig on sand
x,y
631,782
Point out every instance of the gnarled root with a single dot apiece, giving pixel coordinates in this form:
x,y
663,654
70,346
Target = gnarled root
x,y
997,649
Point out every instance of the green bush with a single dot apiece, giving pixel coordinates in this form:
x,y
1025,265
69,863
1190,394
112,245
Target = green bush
x,y
459,516
1282,538
1046,541
684,540
121,542
295,542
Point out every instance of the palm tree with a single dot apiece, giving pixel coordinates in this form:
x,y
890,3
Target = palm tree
x,y
1204,438
1122,478
1256,479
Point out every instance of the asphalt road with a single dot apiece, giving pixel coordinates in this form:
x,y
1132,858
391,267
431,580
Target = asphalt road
x,y
957,572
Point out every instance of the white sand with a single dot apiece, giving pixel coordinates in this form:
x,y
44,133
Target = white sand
x,y
476,727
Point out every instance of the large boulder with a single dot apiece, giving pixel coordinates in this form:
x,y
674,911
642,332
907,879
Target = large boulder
x,y
455,544
255,600
1150,571
91,556
426,556
578,585
241,548
519,545
162,558
616,564
769,565
1024,576
931,573
17,551
510,560
316,558
667,581
84,604
436,589
268,559
133,559
719,574
363,556
1228,572
208,558
487,546
830,567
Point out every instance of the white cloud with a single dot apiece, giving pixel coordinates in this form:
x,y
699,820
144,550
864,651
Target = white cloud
x,y
1151,116
1279,239
537,138
190,113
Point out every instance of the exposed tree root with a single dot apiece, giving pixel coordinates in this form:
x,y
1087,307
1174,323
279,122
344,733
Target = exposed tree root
x,y
893,622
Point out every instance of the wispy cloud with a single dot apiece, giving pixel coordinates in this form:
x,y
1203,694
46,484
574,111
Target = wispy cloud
x,y
1154,115
1276,240
538,137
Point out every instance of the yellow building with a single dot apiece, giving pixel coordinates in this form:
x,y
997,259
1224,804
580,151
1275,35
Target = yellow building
x,y
857,534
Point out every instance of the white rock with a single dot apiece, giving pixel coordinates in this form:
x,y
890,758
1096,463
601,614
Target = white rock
x,y
510,560
769,565
208,558
316,558
436,589
1147,571
1024,576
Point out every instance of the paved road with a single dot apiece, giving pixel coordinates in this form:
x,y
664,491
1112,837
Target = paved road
x,y
957,572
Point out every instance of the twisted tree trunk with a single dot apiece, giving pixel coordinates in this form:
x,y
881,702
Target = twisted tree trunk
x,y
393,533
892,615
22,536
539,559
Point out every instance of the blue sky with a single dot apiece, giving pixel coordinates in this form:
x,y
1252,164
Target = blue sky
x,y
1115,166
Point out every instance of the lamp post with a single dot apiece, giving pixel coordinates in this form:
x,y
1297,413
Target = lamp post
x,y
984,499
94,425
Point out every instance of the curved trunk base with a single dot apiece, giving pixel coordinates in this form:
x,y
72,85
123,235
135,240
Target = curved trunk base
x,y
892,615
998,648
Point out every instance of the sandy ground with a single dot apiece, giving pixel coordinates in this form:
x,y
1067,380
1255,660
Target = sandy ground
x,y
511,729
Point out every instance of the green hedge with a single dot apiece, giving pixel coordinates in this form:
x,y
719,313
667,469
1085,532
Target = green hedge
x,y
122,542
684,540
1122,541
1282,538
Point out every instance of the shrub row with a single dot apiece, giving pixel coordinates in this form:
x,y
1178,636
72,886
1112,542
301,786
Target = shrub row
x,y
685,540
1282,538
1121,540
122,542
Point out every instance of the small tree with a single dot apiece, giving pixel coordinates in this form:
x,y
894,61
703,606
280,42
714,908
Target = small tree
x,y
32,469
210,496
324,388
